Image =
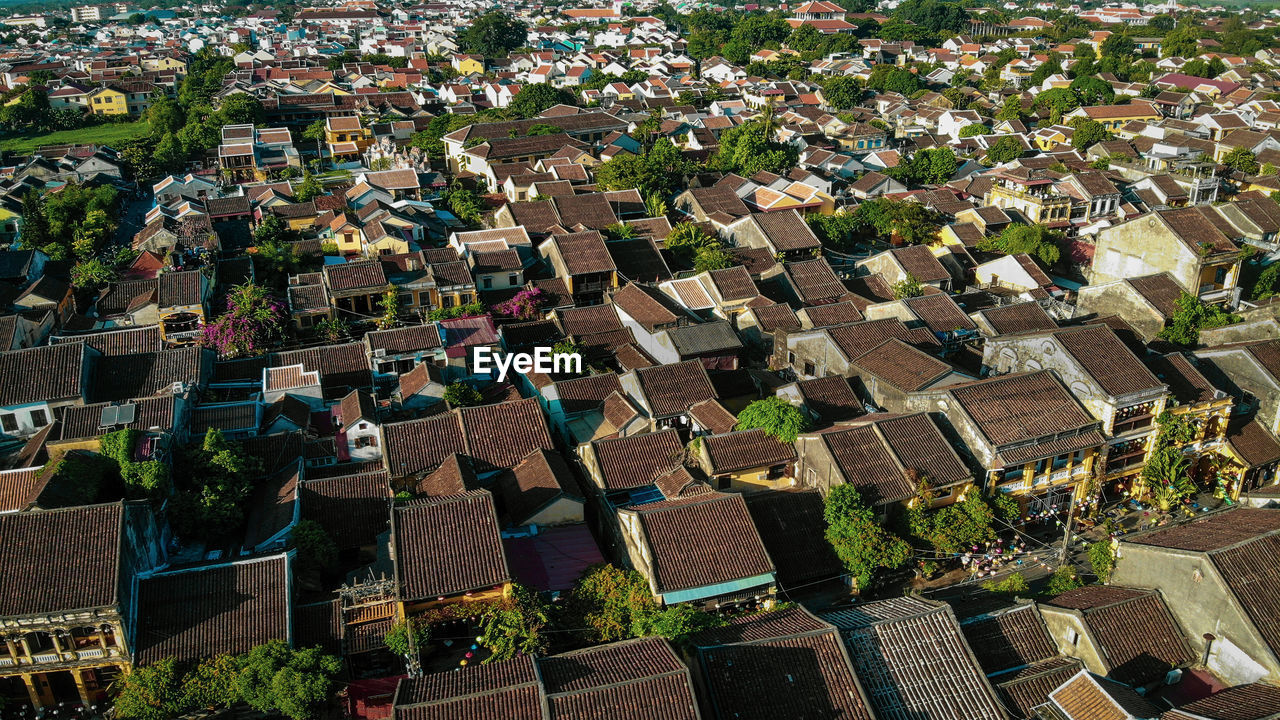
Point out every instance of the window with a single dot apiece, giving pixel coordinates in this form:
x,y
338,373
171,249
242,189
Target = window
x,y
9,422
512,279
39,418
446,301
809,369
488,282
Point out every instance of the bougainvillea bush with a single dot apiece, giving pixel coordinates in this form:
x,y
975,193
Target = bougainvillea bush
x,y
524,305
250,325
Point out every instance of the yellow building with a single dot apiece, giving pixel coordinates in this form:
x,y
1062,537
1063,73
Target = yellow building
x,y
108,101
467,64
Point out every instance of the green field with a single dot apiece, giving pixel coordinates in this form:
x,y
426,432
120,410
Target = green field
x,y
98,135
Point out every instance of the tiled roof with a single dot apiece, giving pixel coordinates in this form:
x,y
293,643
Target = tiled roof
x,y
1255,701
181,288
201,612
885,458
535,481
887,641
637,460
787,231
21,487
920,261
640,678
778,316
586,393
1019,317
341,367
1009,639
712,416
506,690
1186,383
272,507
1028,688
1017,408
832,314
501,435
136,376
223,416
35,556
775,664
1216,532
1097,349
902,366
733,283
40,374
404,339
588,320
1253,443
1088,697
705,338
352,509
701,540
940,313
644,306
416,446
1160,290
592,210
737,451
831,397
118,342
671,389
1139,639
785,520
584,253
85,420
366,275
814,281
447,545
856,339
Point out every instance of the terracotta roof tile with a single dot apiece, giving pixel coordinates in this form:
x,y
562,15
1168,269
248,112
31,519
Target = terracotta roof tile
x,y
448,545
353,509
35,548
637,460
736,451
1009,639
902,366
671,389
785,520
1017,408
201,612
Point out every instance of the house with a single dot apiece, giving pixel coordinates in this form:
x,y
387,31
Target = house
x,y
1210,572
1146,302
37,381
180,305
912,262
885,458
1020,658
541,490
447,550
746,461
494,437
945,683
1103,375
820,352
1187,243
1120,633
355,418
1087,695
687,557
665,393
584,263
783,233
1033,438
71,641
1250,372
766,665
1031,192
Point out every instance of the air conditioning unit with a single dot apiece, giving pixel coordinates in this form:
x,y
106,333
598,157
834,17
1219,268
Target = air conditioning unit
x,y
1173,677
380,352
176,388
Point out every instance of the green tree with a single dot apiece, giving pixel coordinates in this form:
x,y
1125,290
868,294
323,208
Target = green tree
x,y
219,480
514,626
1035,240
1011,109
907,287
494,34
836,230
659,171
611,604
1102,559
169,153
152,692
1092,91
842,92
1004,150
165,115
309,189
951,529
1117,45
1059,102
910,222
1242,160
241,109
686,239
1015,584
712,257
1064,579
776,417
934,16
973,129
749,148
407,637
858,539
211,684
296,683
389,303
35,226
1190,316
91,274
533,99
1088,133
316,550
460,394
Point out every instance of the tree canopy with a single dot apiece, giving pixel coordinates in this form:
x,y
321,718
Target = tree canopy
x,y
1190,316
861,543
533,99
776,417
494,34
1035,240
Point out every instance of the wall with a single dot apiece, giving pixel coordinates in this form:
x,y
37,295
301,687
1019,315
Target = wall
x,y
1119,298
1072,636
1198,599
1144,246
